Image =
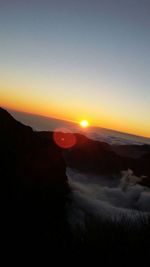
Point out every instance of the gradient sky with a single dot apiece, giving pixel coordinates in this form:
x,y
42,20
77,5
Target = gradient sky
x,y
78,59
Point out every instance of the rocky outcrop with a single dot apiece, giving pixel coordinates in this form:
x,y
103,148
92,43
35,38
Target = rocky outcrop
x,y
33,184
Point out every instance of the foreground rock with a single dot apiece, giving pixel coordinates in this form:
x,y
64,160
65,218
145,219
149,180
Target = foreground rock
x,y
33,184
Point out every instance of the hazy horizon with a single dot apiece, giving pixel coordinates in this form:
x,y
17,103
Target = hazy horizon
x,y
41,122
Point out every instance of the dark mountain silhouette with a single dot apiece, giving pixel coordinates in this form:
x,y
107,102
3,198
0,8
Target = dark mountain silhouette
x,y
34,190
131,151
33,184
101,158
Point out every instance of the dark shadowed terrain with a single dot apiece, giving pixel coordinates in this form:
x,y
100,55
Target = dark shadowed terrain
x,y
34,187
101,158
36,193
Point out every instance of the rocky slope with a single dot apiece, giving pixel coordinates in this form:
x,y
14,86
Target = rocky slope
x,y
33,185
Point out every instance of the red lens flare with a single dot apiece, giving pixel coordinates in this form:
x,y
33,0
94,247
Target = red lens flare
x,y
64,138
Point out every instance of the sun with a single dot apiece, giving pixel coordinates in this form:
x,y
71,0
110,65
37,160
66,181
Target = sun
x,y
84,123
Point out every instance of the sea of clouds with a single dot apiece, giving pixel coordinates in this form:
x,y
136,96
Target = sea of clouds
x,y
107,198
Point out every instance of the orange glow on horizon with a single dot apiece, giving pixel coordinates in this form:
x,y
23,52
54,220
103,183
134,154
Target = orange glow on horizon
x,y
37,108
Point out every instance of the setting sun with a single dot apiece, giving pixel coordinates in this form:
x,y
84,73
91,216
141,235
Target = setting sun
x,y
84,123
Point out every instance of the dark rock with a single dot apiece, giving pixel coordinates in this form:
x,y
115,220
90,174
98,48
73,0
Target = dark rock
x,y
33,184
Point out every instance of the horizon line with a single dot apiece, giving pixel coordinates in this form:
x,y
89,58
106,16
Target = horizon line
x,y
75,122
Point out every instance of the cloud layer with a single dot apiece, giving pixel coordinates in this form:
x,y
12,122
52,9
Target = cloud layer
x,y
104,197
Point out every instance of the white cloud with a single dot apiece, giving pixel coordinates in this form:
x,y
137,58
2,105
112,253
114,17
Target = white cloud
x,y
91,196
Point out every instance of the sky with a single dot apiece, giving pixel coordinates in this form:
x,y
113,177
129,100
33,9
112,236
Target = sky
x,y
83,59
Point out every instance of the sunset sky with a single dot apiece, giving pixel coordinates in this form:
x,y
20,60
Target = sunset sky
x,y
78,59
